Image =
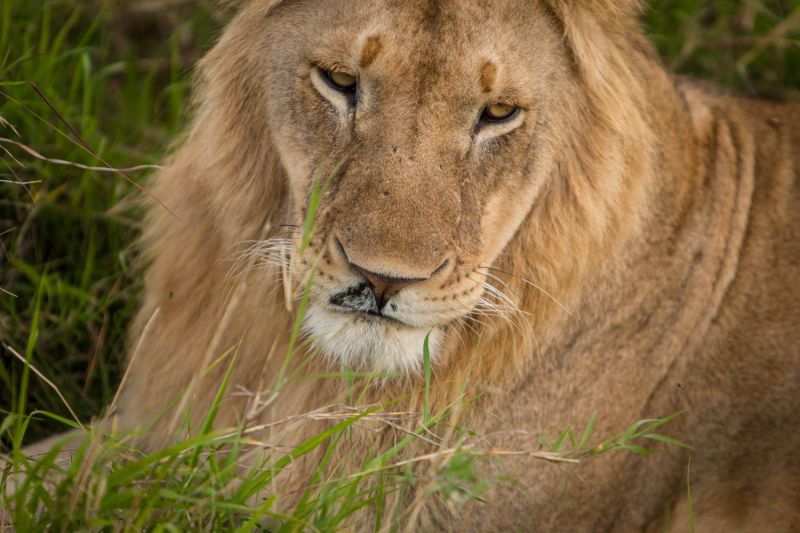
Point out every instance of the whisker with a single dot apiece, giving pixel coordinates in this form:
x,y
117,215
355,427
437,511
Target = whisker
x,y
500,309
259,255
456,332
498,280
532,285
468,317
499,294
504,309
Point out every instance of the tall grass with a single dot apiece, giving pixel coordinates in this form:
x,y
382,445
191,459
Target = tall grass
x,y
214,481
118,73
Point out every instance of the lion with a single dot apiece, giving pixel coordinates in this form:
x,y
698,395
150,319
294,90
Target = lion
x,y
520,186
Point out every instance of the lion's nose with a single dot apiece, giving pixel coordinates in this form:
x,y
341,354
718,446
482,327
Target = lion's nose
x,y
384,287
385,276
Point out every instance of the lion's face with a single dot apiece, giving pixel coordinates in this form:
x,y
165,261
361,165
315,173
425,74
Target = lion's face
x,y
442,115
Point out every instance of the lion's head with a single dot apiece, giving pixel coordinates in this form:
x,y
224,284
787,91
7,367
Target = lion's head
x,y
455,124
433,110
484,157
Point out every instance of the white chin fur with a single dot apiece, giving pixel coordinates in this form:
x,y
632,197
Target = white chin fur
x,y
368,345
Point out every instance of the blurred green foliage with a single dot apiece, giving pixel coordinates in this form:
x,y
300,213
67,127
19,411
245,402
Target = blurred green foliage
x,y
119,72
752,46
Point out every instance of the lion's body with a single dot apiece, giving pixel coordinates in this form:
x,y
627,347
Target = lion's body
x,y
663,217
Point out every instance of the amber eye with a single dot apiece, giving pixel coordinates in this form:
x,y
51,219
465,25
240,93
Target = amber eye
x,y
340,80
499,112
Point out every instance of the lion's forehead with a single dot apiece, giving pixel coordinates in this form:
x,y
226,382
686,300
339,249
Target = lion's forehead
x,y
432,41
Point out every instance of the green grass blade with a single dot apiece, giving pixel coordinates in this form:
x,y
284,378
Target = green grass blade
x,y
640,449
560,441
689,496
208,424
379,504
588,431
23,390
426,358
661,422
668,440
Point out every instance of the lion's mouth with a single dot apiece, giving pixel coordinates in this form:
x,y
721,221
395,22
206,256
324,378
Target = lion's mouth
x,y
371,316
360,300
357,298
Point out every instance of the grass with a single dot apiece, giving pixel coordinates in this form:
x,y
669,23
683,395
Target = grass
x,y
213,481
120,77
119,73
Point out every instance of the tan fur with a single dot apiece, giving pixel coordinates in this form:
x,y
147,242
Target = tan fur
x,y
663,217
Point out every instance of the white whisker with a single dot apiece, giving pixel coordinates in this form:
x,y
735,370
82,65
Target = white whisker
x,y
532,285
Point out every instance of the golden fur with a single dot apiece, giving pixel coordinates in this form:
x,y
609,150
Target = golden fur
x,y
661,220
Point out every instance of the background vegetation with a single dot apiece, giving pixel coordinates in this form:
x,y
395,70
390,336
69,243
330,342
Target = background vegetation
x,y
118,72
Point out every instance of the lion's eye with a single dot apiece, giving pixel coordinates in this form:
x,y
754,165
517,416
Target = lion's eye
x,y
340,80
499,112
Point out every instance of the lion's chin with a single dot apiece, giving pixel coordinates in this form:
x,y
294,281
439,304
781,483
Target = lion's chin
x,y
370,344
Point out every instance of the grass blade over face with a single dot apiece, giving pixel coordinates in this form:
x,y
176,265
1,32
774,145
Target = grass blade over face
x,y
426,358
